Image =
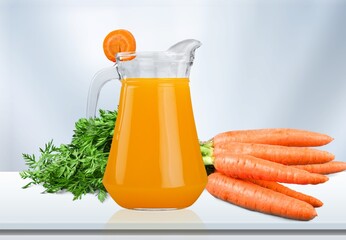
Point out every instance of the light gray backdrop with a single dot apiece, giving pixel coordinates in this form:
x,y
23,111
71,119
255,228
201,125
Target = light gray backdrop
x,y
262,64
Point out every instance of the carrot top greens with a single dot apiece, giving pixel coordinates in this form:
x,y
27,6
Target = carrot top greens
x,y
77,167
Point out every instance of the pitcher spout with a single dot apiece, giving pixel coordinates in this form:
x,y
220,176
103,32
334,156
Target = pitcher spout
x,y
187,46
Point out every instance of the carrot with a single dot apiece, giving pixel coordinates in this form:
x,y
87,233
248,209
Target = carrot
x,y
117,41
249,167
277,187
324,168
253,197
279,154
275,136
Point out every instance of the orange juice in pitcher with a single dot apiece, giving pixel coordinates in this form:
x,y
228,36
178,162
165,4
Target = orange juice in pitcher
x,y
155,161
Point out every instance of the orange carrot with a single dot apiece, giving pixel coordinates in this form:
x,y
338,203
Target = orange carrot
x,y
324,168
117,41
277,187
249,167
275,136
279,154
253,197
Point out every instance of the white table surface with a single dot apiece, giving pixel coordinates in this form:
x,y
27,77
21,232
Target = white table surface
x,y
24,209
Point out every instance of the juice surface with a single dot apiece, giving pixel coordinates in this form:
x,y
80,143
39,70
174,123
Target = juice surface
x,y
155,160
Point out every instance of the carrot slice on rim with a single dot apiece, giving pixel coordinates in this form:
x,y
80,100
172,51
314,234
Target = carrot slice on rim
x,y
120,40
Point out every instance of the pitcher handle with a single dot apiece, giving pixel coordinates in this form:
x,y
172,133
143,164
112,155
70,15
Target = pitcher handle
x,y
99,80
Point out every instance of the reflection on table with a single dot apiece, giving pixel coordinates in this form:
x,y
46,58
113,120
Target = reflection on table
x,y
142,219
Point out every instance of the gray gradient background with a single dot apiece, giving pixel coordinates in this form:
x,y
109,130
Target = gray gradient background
x,y
262,64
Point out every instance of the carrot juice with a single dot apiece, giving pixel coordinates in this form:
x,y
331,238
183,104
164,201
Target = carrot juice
x,y
155,160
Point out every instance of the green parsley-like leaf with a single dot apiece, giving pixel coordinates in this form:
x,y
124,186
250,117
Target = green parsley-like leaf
x,y
77,167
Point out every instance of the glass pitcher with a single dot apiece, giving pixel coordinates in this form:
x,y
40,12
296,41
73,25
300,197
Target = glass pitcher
x,y
155,160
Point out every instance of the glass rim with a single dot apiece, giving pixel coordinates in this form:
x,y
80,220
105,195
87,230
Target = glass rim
x,y
155,56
